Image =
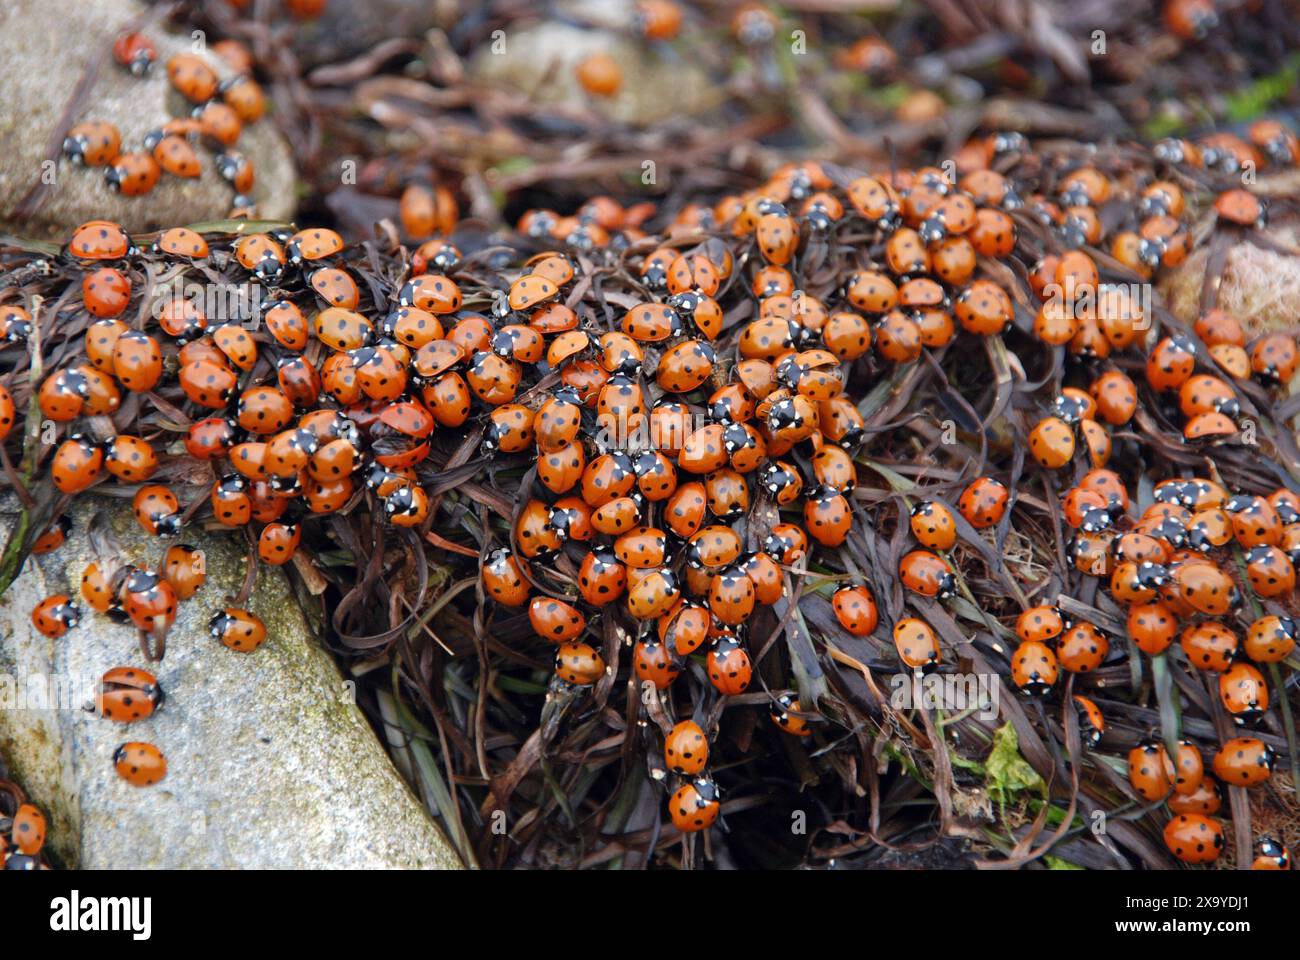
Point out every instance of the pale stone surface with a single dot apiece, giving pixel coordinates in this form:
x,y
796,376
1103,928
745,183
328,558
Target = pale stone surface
x,y
269,763
539,60
45,45
1260,287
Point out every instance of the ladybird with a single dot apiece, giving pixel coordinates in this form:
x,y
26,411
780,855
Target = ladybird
x,y
555,620
983,502
1116,397
314,244
1271,638
1042,624
287,324
62,396
336,287
184,567
1194,838
54,536
917,644
728,666
55,615
192,76
77,464
175,155
436,358
1244,762
1034,668
1270,571
1152,627
245,97
238,629
1204,800
139,764
983,308
1082,648
278,542
132,174
695,805
599,74
1204,393
493,379
926,573
1205,587
561,470
601,578
27,834
137,361
855,608
534,533
105,292
653,664
1243,692
181,319
135,52
686,750
732,596
1150,771
685,627
1274,358
128,694
149,600
1051,442
1242,208
94,143
510,429
686,509
827,516
1270,854
130,459
99,240
264,410
579,664
1255,521
1092,725
617,516
1170,363
503,578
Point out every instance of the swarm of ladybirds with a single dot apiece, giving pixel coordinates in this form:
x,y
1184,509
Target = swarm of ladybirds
x,y
218,110
687,411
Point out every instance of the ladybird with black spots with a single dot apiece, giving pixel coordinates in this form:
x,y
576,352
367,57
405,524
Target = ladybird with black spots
x,y
239,629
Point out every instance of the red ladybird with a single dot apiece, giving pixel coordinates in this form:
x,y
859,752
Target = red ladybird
x,y
856,610
927,574
695,806
686,750
1194,838
128,694
140,764
728,666
240,630
983,502
55,615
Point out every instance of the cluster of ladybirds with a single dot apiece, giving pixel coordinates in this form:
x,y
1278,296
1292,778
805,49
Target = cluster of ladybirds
x,y
218,111
691,453
754,27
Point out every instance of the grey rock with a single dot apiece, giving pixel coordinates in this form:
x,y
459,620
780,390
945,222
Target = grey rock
x,y
270,763
45,46
539,59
